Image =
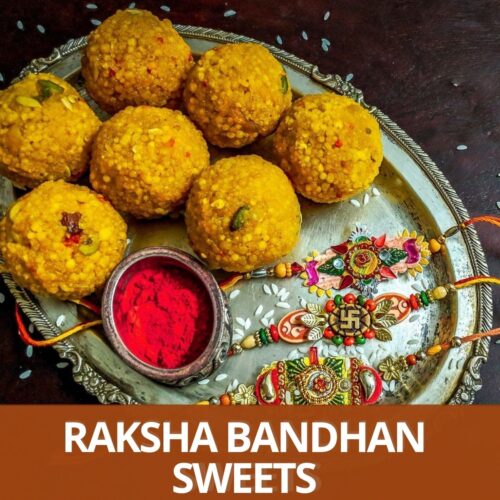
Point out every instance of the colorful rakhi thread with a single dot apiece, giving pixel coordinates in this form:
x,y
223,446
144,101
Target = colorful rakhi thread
x,y
350,319
394,368
330,381
362,261
309,380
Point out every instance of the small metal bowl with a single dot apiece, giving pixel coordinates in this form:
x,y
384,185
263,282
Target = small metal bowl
x,y
220,336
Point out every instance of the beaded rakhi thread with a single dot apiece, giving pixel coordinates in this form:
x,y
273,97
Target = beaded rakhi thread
x,y
362,261
309,380
352,319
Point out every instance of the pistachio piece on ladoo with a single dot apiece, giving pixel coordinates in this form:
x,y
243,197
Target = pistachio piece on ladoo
x,y
242,213
40,138
62,240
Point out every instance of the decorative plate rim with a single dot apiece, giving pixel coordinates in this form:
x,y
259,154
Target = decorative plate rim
x,y
108,393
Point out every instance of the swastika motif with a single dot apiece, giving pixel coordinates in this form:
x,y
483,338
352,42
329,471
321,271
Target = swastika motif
x,y
349,320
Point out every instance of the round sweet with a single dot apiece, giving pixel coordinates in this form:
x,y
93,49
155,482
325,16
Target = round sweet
x,y
133,58
242,213
329,146
236,93
46,130
145,159
62,240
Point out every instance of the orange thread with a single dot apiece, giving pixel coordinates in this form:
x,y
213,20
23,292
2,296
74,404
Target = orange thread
x,y
490,219
230,282
27,339
477,280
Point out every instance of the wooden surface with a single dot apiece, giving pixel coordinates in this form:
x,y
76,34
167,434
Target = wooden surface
x,y
432,66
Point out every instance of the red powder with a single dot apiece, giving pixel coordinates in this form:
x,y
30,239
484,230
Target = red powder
x,y
163,314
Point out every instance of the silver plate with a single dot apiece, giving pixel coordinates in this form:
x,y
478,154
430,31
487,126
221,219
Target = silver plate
x,y
415,194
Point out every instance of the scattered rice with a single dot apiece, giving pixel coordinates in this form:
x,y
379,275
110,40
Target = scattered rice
x,y
305,36
326,16
165,8
248,323
31,328
283,305
269,314
204,381
462,147
220,377
279,40
20,26
229,13
95,22
366,199
267,290
2,298
264,321
349,77
258,310
25,374
40,28
375,192
356,203
232,385
60,321
234,294
91,6
302,302
29,351
275,289
239,331
62,364
240,322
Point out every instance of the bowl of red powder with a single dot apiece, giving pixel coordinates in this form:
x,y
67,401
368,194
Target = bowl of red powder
x,y
165,315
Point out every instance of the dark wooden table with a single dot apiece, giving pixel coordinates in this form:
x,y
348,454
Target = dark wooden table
x,y
432,66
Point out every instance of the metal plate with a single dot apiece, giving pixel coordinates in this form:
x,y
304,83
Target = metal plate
x,y
414,194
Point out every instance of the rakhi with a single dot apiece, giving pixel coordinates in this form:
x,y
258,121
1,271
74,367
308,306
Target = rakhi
x,y
308,380
361,262
329,381
351,319
392,368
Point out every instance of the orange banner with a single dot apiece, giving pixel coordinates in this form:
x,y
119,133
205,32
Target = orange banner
x,y
75,452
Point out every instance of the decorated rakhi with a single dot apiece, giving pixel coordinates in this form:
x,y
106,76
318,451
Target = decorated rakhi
x,y
330,381
309,380
395,368
351,319
361,262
